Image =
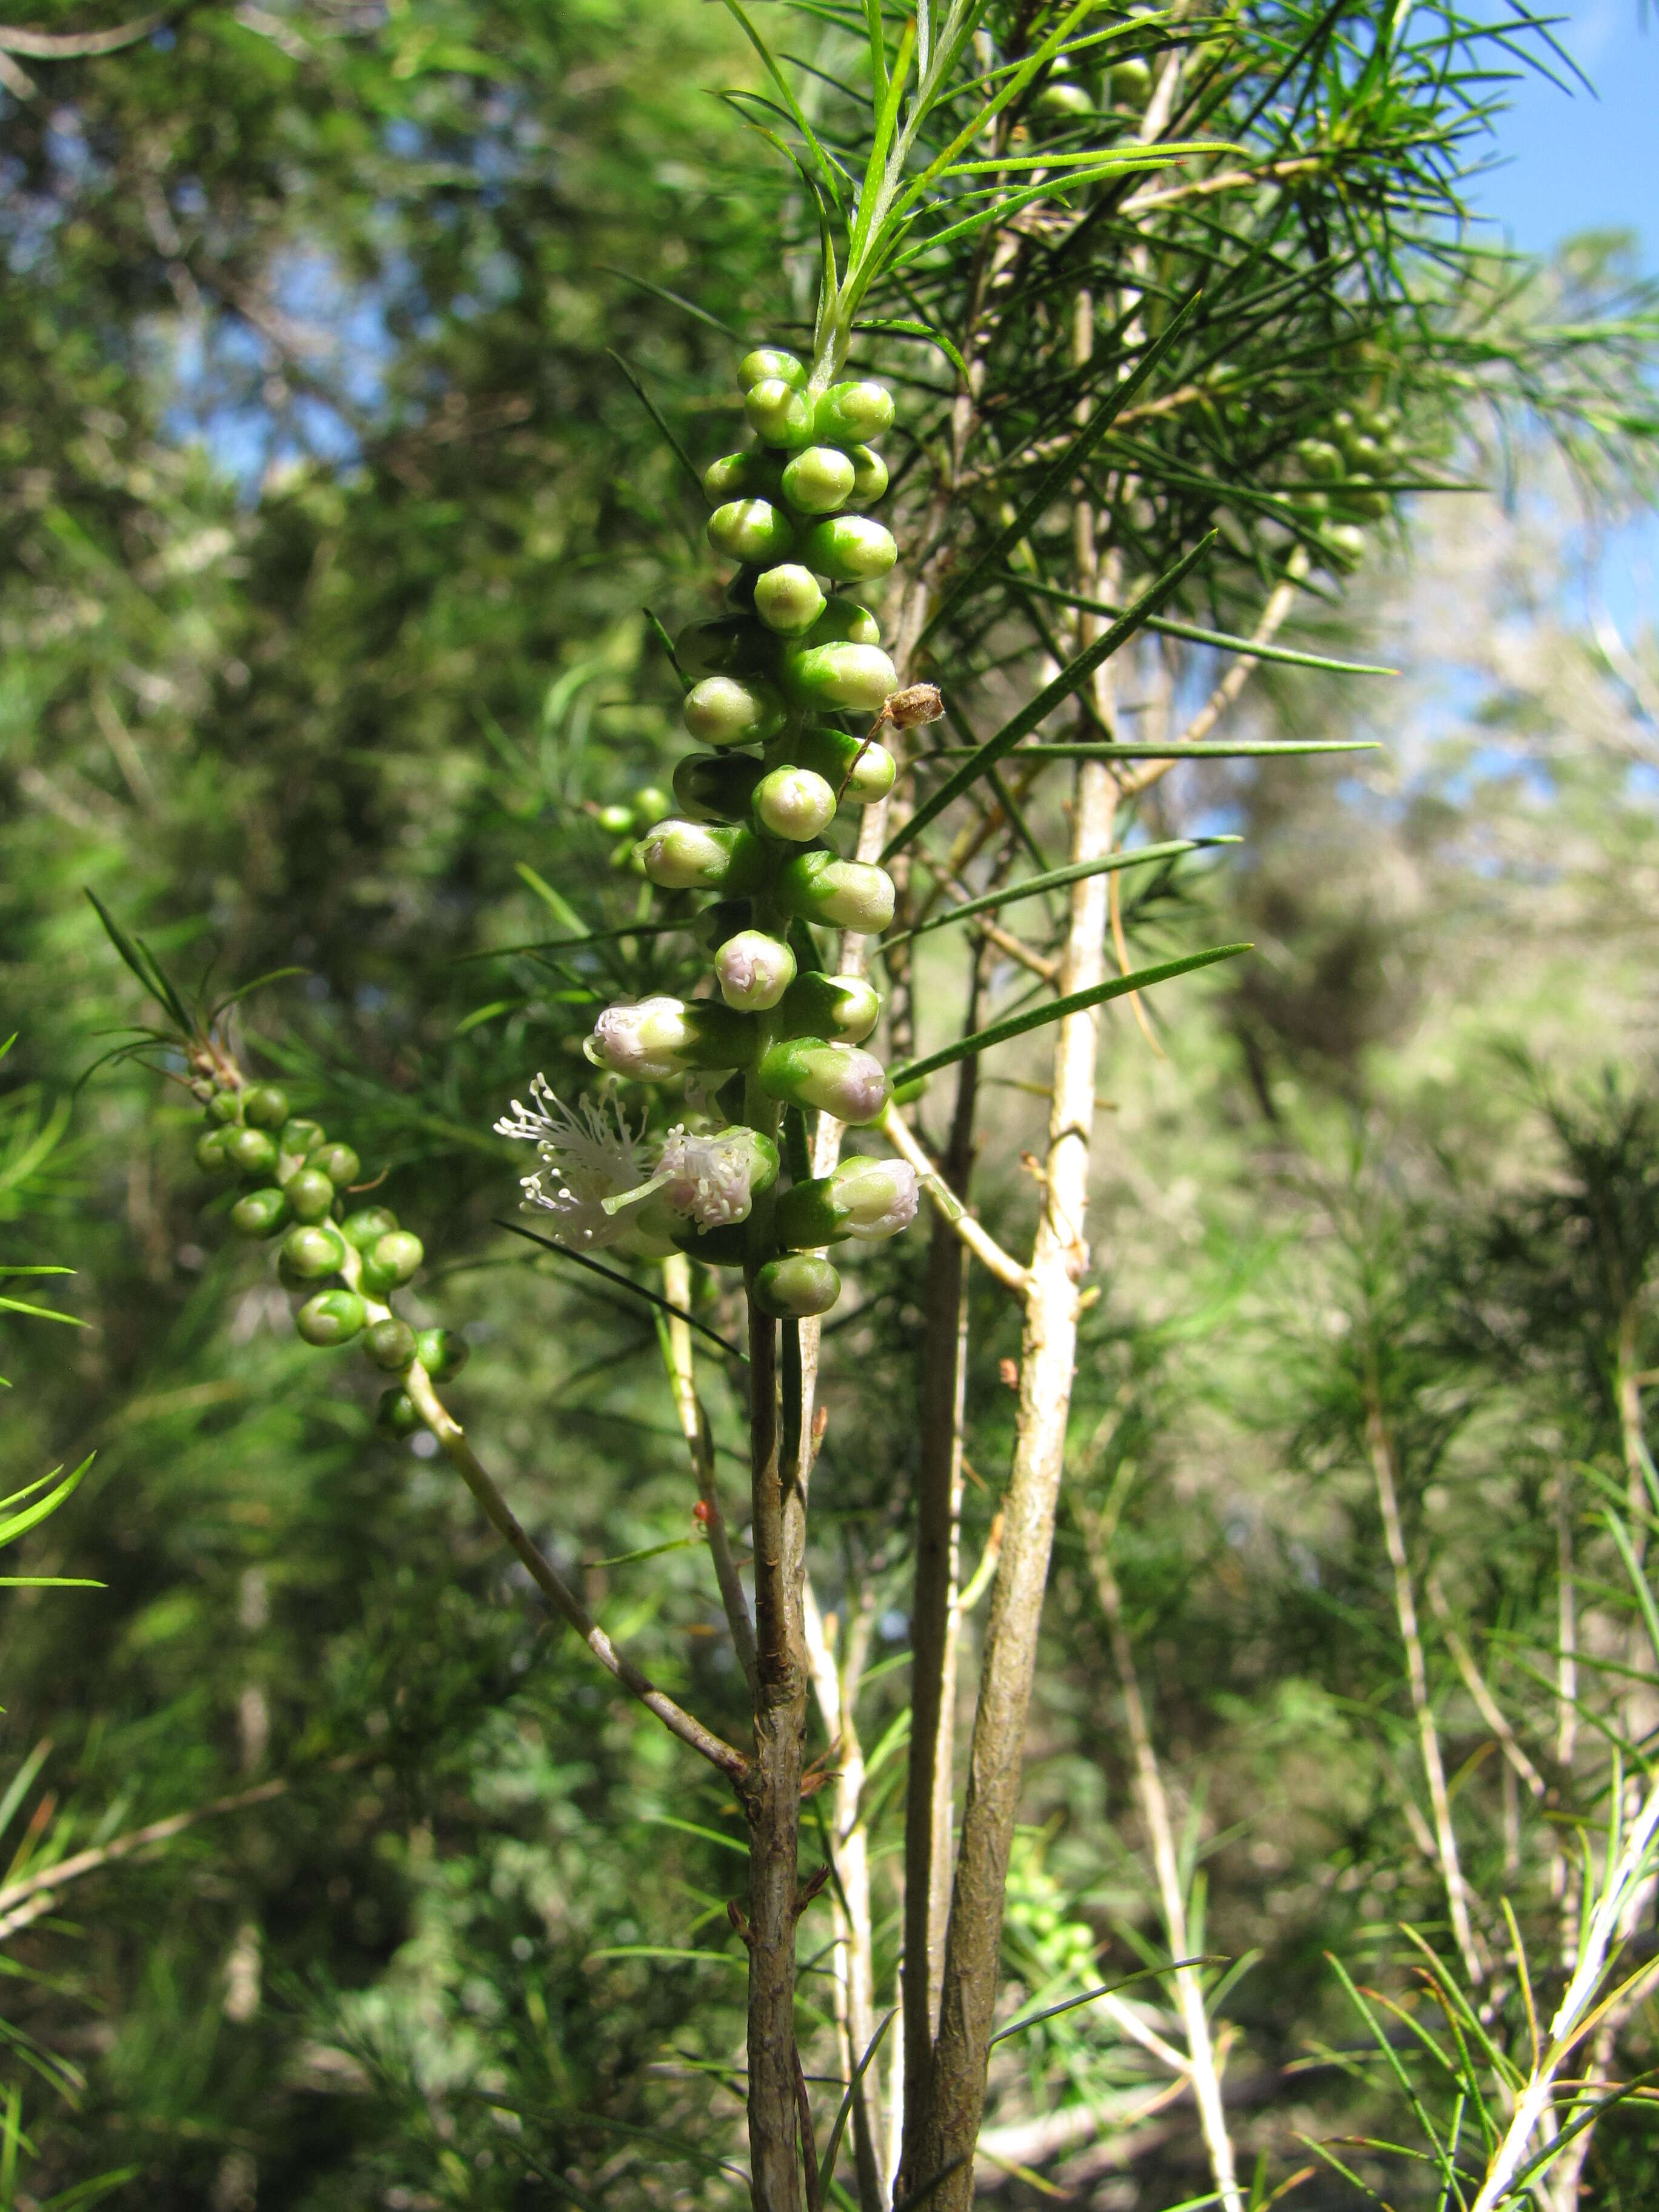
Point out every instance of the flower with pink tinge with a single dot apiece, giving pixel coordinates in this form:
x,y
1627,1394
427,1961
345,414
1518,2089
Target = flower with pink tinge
x,y
709,1178
586,1156
643,1040
881,1195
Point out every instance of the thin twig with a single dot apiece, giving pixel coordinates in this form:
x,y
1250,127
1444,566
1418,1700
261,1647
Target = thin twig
x,y
983,1246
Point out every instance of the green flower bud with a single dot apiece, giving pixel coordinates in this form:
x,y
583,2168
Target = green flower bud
x,y
837,1077
716,923
866,769
443,1352
684,856
864,1199
788,599
769,362
715,787
299,1138
848,414
794,803
265,1105
310,1195
754,971
368,1225
851,548
777,413
1361,498
1363,454
311,1253
250,1152
390,1345
613,820
851,894
338,1162
1131,81
1345,543
397,1414
727,710
869,474
844,1007
223,1107
730,645
1061,97
751,529
391,1261
796,1286
651,803
661,1036
854,678
261,1213
742,475
331,1317
211,1153
1320,458
819,480
844,622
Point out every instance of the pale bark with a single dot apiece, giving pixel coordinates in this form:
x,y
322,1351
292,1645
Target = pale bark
x,y
693,1424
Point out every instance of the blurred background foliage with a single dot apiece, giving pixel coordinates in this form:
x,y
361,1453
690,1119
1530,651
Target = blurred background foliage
x,y
326,520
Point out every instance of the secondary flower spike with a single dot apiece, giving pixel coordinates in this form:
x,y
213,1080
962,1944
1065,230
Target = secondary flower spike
x,y
780,693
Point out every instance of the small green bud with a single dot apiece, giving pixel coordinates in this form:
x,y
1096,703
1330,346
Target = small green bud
x,y
848,414
392,1261
390,1345
659,1037
1363,454
202,1091
298,1137
1344,542
864,1199
310,1195
788,599
844,1007
397,1414
1131,81
856,679
311,1253
211,1153
338,1162
651,803
819,480
751,529
1361,498
684,856
796,1286
715,787
368,1225
778,414
866,769
443,1352
224,1107
261,1213
265,1105
838,1079
250,1152
614,820
754,971
844,622
851,894
869,474
767,362
730,645
1320,458
794,803
331,1317
850,548
1060,96
742,475
729,710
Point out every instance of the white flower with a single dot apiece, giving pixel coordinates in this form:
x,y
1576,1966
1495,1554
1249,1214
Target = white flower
x,y
586,1156
710,1178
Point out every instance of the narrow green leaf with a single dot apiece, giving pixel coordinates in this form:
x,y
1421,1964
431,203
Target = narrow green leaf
x,y
650,1551
667,645
661,422
1076,674
922,331
832,2149
887,107
627,1283
143,964
1105,1990
1036,1017
1194,634
571,944
21,1783
1219,750
1032,886
709,1835
19,1524
668,1951
561,910
674,299
831,173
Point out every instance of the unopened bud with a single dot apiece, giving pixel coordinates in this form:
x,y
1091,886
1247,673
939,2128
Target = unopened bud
x,y
661,1036
368,1225
794,802
838,1079
751,529
741,475
613,820
859,768
224,1107
390,1345
850,893
845,622
843,1007
331,1317
391,1261
796,1286
754,971
684,856
851,548
261,1213
865,1199
730,645
397,1414
855,677
778,414
299,1138
443,1352
310,1195
869,474
820,480
788,599
211,1153
265,1106
846,414
771,361
715,787
250,1152
312,1252
731,710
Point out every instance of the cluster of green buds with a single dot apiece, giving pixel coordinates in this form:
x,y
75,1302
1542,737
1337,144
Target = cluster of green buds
x,y
771,685
1346,473
343,1261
